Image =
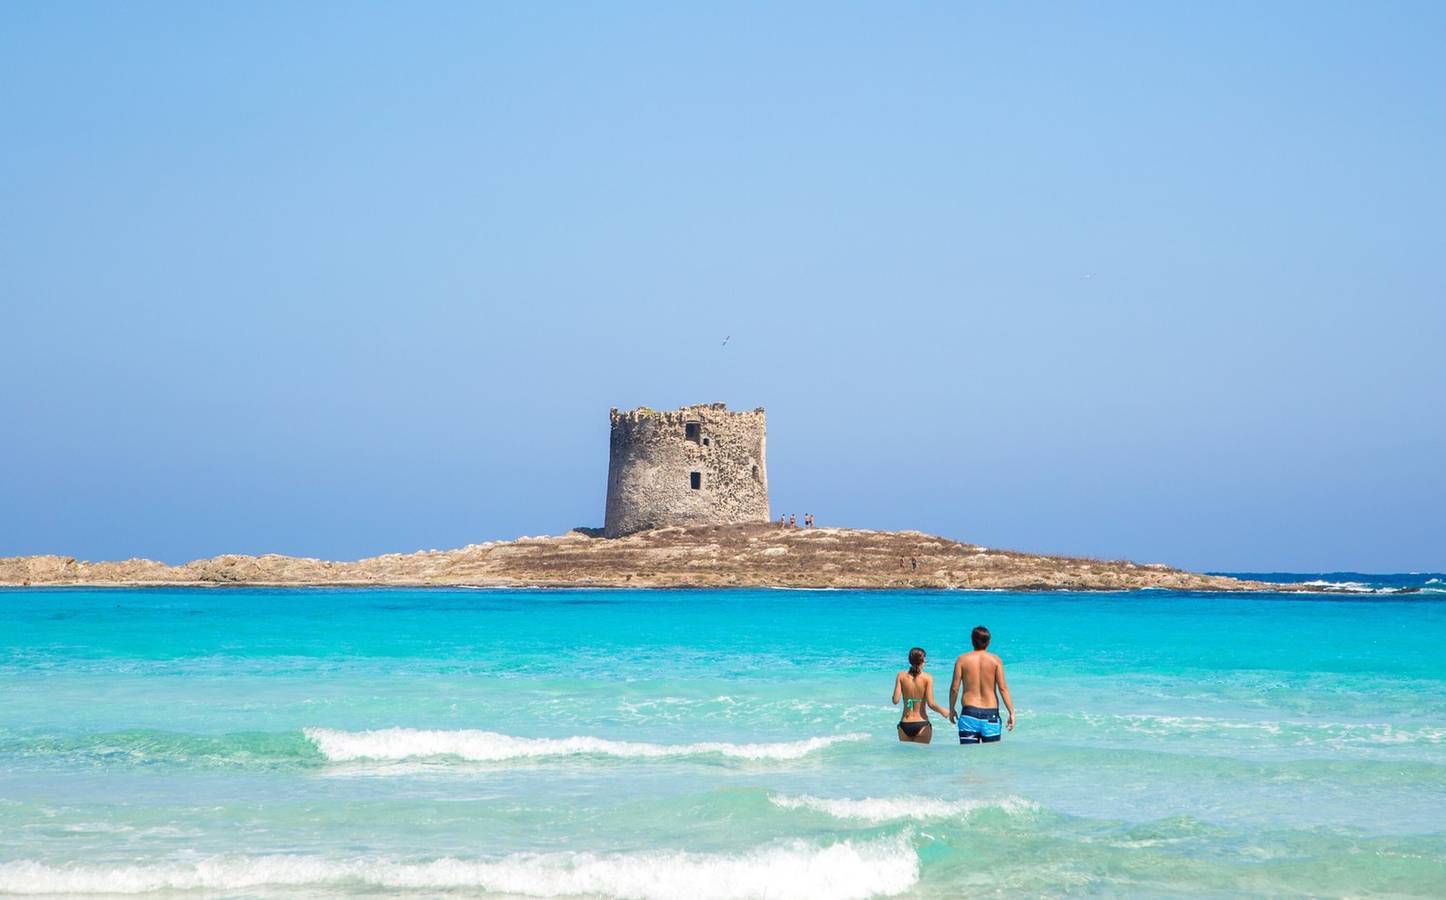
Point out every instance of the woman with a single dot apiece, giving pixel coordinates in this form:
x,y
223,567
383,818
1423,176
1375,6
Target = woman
x,y
916,689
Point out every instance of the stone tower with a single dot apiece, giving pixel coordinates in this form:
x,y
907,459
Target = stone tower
x,y
700,465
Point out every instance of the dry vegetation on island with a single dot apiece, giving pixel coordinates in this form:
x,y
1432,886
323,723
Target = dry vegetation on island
x,y
762,555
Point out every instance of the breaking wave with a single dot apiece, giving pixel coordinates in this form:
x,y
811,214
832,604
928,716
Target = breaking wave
x,y
1392,585
1304,733
847,870
490,746
1347,587
889,809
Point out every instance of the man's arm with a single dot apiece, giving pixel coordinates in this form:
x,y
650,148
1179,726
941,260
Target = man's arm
x,y
954,686
1003,687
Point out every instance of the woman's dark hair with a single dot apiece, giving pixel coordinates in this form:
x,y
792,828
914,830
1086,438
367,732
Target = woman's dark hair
x,y
916,659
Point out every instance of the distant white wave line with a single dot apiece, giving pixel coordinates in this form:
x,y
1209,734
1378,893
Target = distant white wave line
x,y
889,809
843,870
1371,732
1354,587
779,587
490,746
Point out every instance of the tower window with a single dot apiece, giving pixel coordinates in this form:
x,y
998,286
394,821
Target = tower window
x,y
692,431
755,473
705,442
695,480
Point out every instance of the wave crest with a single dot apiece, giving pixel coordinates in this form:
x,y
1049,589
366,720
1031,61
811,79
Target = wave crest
x,y
491,746
889,809
847,870
1348,587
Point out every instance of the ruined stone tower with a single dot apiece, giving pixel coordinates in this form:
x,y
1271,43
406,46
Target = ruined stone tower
x,y
700,465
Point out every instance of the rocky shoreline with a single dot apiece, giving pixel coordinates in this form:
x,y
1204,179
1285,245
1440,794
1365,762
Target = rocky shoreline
x,y
762,555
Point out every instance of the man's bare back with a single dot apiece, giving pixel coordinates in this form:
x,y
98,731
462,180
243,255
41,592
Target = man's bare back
x,y
980,675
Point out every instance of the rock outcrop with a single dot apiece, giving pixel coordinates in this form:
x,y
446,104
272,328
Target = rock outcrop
x,y
761,555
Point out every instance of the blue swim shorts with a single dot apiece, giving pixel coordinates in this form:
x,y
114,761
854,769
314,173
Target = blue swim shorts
x,y
979,726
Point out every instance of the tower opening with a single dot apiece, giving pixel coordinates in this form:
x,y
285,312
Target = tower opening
x,y
755,473
692,431
705,442
695,480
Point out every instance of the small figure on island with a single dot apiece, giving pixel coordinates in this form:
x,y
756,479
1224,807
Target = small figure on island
x,y
792,520
913,564
808,520
783,520
981,675
916,689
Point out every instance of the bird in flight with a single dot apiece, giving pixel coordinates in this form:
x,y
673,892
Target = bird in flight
x,y
1089,276
726,339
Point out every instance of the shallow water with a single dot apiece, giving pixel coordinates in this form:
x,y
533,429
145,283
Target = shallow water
x,y
714,744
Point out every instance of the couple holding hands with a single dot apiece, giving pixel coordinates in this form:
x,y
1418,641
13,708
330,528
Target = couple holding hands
x,y
980,675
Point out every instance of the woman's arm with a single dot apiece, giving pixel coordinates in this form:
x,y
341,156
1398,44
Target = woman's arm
x,y
954,685
898,689
929,697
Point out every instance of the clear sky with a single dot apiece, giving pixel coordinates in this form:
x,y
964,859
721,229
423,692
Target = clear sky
x,y
1160,281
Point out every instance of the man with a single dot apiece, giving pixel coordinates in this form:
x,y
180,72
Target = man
x,y
981,674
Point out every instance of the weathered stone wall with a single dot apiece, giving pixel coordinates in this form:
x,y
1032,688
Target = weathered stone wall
x,y
652,460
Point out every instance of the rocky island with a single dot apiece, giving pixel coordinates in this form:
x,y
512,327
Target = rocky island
x,y
687,506
749,555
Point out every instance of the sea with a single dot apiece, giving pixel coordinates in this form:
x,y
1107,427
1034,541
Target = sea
x,y
697,744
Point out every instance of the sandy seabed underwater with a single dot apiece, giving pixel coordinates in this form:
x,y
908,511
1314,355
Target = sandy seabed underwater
x,y
715,744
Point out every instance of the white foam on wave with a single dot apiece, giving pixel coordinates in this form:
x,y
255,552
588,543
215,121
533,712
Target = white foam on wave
x,y
490,746
847,870
1147,724
1301,733
890,809
1349,587
779,587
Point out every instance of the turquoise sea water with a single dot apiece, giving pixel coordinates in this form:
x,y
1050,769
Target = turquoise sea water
x,y
704,744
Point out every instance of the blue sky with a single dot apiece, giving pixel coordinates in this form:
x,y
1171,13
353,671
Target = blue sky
x,y
1140,280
